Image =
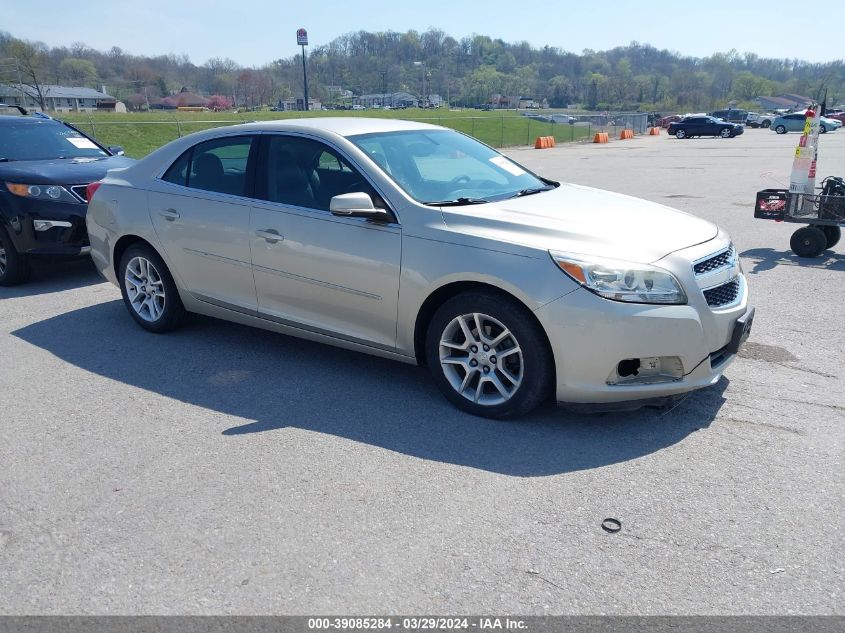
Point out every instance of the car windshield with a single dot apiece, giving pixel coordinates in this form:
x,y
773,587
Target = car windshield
x,y
44,140
441,167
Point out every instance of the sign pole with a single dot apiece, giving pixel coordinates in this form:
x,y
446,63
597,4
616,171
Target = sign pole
x,y
302,40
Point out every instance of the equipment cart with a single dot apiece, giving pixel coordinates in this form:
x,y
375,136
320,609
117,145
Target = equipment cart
x,y
824,213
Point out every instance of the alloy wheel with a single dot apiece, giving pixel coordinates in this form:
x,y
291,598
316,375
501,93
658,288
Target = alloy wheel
x,y
481,359
145,289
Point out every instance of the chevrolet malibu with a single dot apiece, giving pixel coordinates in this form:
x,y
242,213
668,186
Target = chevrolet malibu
x,y
420,244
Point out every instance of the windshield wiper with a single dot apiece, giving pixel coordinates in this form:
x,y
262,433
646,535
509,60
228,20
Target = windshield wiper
x,y
457,202
531,191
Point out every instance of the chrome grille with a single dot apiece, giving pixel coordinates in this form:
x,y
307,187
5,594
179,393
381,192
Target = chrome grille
x,y
722,295
716,262
81,191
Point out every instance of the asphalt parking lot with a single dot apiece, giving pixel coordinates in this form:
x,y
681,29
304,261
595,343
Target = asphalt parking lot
x,y
222,469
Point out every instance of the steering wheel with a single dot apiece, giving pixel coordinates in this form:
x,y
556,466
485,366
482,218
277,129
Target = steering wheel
x,y
457,180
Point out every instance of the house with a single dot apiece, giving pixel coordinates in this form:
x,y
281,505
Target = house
x,y
392,99
783,102
59,98
338,92
298,105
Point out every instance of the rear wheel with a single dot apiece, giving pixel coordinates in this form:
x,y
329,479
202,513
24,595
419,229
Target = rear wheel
x,y
766,124
488,356
823,129
780,129
14,268
808,242
149,291
681,133
832,234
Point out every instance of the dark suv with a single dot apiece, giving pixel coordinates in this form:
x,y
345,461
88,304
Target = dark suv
x,y
45,168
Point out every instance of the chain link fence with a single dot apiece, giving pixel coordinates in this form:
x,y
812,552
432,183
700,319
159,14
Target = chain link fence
x,y
140,136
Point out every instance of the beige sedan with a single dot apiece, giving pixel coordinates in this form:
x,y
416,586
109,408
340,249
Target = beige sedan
x,y
418,243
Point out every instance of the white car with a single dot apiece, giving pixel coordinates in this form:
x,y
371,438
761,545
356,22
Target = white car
x,y
421,244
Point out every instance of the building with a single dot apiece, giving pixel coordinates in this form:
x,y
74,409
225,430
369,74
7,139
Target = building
x,y
298,105
59,98
783,102
392,99
338,92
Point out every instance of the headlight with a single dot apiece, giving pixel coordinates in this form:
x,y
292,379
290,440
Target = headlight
x,y
55,193
622,281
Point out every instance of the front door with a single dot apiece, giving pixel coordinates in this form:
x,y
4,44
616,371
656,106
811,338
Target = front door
x,y
333,275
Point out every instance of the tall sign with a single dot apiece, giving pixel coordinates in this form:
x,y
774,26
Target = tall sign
x,y
803,178
302,40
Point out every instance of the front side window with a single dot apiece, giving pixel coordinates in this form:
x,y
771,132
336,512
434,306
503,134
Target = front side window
x,y
302,172
444,167
219,165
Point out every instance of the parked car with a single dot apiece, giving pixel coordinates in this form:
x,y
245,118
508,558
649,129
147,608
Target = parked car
x,y
691,126
421,244
45,167
666,120
836,116
794,122
732,115
755,119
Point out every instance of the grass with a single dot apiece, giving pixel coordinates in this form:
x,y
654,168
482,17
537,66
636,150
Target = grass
x,y
141,133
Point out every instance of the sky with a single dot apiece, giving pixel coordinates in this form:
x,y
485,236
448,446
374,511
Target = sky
x,y
255,32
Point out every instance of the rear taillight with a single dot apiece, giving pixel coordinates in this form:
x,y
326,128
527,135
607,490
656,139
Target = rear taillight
x,y
91,189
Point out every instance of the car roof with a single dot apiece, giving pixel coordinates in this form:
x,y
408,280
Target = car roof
x,y
342,126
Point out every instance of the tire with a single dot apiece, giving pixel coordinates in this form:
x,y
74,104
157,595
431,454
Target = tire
x,y
726,132
780,129
832,234
681,133
149,292
525,373
823,129
809,241
766,124
14,267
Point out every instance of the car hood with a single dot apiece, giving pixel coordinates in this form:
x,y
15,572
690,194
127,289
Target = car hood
x,y
70,171
584,220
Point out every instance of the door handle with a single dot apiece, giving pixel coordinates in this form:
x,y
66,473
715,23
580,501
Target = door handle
x,y
271,235
170,214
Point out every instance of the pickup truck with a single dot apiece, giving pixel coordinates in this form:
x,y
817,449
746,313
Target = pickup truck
x,y
755,119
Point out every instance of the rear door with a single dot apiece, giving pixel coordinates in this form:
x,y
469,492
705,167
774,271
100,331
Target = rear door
x,y
201,213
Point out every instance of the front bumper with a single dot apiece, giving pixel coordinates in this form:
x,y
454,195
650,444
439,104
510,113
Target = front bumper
x,y
70,238
590,335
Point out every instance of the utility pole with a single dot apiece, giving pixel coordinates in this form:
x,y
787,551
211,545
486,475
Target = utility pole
x,y
302,40
383,86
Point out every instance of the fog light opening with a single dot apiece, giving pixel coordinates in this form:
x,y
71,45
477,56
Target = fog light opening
x,y
628,367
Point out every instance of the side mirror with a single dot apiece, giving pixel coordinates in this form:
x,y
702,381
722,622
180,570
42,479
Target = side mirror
x,y
357,205
115,150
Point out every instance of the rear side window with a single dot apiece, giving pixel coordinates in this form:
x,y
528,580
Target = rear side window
x,y
219,165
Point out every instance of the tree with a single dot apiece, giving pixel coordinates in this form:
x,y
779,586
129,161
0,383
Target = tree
x,y
78,72
30,58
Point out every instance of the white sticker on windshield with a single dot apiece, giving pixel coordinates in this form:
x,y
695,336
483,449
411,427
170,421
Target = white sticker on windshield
x,y
81,142
508,166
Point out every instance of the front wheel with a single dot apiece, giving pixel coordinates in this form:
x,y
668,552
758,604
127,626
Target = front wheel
x,y
681,134
725,133
14,269
780,129
488,355
149,291
808,242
